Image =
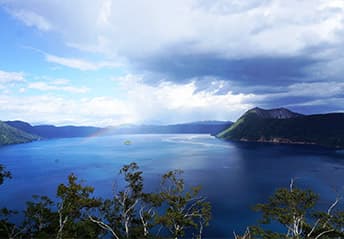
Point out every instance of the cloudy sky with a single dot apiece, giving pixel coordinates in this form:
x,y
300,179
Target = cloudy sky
x,y
109,62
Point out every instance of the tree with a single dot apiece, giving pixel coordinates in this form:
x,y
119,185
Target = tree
x,y
185,209
247,235
132,213
3,174
293,208
129,212
40,220
130,197
74,202
7,228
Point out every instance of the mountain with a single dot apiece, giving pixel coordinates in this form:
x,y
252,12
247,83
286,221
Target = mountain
x,y
279,113
24,126
11,135
284,126
201,127
51,131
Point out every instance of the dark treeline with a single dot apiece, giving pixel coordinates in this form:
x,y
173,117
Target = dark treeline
x,y
172,212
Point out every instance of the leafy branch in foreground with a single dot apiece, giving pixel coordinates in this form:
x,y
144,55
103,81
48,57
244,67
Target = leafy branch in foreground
x,y
8,229
40,221
184,209
294,209
4,174
119,216
173,210
74,202
65,217
130,213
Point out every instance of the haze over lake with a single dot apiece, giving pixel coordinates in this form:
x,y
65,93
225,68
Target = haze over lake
x,y
234,176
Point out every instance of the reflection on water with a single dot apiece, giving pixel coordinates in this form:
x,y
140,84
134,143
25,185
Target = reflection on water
x,y
234,176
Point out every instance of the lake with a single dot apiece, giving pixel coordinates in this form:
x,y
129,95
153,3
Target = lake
x,y
234,176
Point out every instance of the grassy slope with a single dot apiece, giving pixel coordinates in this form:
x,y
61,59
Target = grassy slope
x,y
11,135
326,129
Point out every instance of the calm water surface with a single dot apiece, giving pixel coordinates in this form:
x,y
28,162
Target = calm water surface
x,y
234,176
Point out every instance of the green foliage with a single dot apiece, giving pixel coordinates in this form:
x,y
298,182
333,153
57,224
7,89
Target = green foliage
x,y
133,213
7,228
286,205
43,218
294,209
74,197
184,209
119,215
326,130
4,174
74,203
40,220
11,135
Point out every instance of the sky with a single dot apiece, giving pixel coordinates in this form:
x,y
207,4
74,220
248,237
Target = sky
x,y
111,62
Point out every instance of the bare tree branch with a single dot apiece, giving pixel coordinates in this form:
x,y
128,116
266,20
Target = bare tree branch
x,y
323,233
104,226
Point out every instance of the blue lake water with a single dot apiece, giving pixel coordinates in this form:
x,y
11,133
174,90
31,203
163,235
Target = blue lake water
x,y
234,176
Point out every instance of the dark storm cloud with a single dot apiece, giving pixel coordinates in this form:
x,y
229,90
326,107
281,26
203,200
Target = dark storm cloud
x,y
270,71
305,81
276,101
319,108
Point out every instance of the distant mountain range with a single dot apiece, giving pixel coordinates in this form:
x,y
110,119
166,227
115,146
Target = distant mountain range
x,y
201,127
51,131
284,126
12,135
256,125
20,129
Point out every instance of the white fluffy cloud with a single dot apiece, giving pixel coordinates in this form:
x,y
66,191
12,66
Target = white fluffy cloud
x,y
32,19
56,86
141,103
145,27
61,111
11,77
79,63
168,102
142,32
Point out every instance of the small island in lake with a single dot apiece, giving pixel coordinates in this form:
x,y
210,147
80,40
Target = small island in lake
x,y
127,142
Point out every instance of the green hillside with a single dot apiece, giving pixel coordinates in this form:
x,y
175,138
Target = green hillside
x,y
322,129
11,135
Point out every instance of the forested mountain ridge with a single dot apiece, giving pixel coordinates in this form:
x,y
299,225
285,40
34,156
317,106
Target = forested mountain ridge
x,y
11,135
51,131
200,127
284,126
